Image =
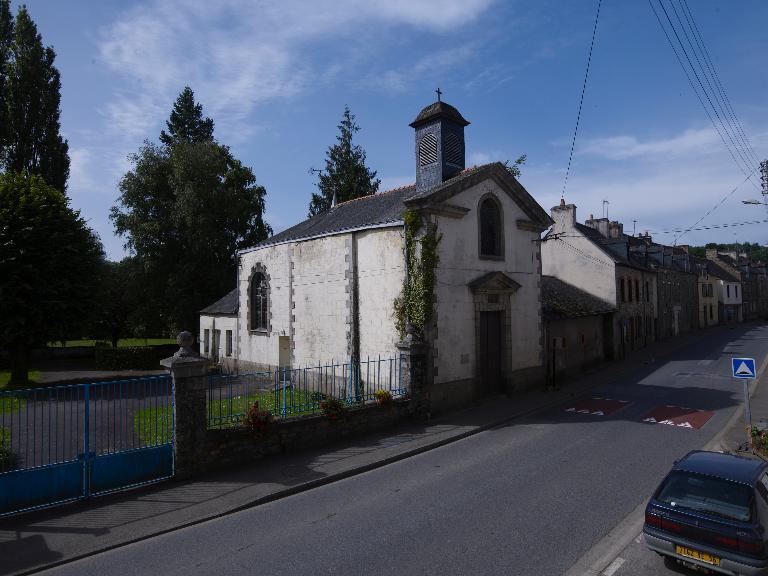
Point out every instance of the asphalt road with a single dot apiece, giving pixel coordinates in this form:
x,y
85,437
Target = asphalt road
x,y
529,498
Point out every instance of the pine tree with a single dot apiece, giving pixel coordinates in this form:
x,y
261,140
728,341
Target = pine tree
x,y
186,123
33,142
345,174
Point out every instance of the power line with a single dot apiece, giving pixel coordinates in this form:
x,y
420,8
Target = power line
x,y
716,76
581,100
715,207
695,90
713,227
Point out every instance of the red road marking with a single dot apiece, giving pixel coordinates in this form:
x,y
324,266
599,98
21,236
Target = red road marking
x,y
597,406
678,416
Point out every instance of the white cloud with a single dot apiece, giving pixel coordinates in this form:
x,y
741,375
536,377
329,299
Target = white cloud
x,y
237,54
80,160
692,141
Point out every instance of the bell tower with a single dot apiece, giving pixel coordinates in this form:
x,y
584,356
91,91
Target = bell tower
x,y
440,152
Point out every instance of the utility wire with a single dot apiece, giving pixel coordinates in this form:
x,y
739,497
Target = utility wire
x,y
581,100
690,80
740,149
713,71
715,207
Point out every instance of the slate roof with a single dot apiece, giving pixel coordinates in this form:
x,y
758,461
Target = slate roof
x,y
388,207
367,211
438,109
562,300
719,272
229,304
604,243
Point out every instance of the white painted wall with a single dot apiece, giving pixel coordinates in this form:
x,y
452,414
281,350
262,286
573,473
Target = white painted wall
x,y
460,264
729,292
575,259
381,273
262,349
321,300
222,323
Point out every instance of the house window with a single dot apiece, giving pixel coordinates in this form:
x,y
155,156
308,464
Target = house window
x,y
228,343
736,288
728,290
638,297
259,300
206,341
710,311
491,229
647,292
452,151
216,343
703,289
623,294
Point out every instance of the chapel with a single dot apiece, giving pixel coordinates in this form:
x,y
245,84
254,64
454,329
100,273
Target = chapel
x,y
326,289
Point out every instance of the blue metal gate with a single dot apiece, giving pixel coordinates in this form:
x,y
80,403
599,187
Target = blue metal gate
x,y
70,442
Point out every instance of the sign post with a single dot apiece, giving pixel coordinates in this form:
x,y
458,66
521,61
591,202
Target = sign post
x,y
744,368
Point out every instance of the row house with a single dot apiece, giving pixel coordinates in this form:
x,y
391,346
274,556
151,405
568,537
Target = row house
x,y
595,257
754,281
709,292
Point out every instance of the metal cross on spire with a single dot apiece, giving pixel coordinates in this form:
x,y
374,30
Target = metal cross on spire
x,y
439,93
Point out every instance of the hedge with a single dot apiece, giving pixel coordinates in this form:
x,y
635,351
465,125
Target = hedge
x,y
133,357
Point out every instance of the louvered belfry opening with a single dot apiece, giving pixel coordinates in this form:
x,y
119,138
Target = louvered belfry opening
x,y
440,149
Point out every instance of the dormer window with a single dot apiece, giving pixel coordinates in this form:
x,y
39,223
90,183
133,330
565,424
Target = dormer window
x,y
491,224
428,150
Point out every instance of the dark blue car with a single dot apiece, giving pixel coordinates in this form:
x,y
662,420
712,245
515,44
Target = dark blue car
x,y
712,511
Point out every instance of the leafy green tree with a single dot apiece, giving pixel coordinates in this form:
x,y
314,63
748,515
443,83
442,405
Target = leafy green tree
x,y
345,174
185,209
516,167
6,38
118,297
48,256
31,97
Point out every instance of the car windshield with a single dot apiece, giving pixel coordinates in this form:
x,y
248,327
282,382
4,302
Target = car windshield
x,y
707,494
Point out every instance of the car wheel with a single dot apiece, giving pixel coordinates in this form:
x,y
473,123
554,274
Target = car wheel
x,y
670,562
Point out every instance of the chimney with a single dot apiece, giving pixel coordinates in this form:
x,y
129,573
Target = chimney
x,y
564,216
615,230
599,224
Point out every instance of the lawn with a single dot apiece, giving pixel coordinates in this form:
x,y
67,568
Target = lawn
x,y
5,376
122,343
153,425
6,456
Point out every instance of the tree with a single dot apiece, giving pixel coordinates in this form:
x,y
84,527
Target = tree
x,y
345,174
516,167
117,299
47,259
6,38
185,208
31,99
186,123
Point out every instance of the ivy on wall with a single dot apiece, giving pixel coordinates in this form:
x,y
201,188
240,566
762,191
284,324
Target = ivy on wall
x,y
415,301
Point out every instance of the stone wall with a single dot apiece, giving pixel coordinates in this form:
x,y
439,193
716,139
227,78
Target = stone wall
x,y
235,446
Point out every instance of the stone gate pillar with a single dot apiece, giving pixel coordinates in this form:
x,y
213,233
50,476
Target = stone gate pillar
x,y
413,370
188,371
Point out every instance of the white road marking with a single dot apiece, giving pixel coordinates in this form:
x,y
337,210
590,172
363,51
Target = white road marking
x,y
639,539
613,566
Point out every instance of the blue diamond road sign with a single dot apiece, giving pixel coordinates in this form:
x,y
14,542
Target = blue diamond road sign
x,y
743,367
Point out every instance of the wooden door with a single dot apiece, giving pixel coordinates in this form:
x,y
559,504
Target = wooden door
x,y
490,353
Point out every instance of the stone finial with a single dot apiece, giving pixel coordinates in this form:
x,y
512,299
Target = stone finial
x,y
185,340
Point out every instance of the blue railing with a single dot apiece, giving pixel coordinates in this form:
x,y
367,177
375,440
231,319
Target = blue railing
x,y
43,426
291,392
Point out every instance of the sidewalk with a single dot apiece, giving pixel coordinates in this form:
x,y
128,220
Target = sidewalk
x,y
42,539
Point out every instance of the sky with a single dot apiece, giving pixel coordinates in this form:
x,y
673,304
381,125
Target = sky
x,y
275,77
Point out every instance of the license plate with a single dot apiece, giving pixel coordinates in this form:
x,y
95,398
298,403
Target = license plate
x,y
696,555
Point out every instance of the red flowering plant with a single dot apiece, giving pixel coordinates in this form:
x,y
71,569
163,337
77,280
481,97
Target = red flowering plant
x,y
258,421
383,397
333,408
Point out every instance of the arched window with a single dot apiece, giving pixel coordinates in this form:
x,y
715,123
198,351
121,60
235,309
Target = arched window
x,y
491,229
259,301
